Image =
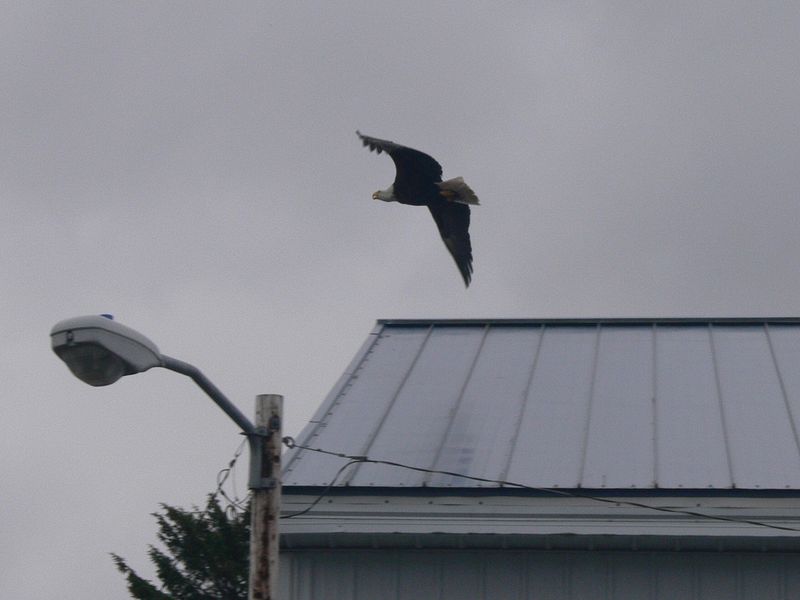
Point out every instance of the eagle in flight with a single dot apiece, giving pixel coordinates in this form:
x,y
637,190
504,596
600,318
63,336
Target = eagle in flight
x,y
419,182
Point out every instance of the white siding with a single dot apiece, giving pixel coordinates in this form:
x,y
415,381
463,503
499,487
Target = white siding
x,y
537,575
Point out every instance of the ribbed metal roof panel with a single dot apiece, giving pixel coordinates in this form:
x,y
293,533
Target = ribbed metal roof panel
x,y
507,356
559,395
423,406
629,403
690,449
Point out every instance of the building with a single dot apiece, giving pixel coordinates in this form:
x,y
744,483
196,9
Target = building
x,y
608,458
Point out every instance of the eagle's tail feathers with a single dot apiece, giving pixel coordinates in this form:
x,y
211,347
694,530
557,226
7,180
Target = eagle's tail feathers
x,y
456,190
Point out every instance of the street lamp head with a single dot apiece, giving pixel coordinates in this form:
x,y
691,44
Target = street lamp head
x,y
98,350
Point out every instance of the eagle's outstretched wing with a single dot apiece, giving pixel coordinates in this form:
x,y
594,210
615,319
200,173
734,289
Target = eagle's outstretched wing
x,y
413,167
452,219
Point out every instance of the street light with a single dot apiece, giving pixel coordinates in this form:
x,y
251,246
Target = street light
x,y
99,351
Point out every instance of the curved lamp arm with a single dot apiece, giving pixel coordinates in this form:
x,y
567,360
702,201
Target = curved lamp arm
x,y
213,392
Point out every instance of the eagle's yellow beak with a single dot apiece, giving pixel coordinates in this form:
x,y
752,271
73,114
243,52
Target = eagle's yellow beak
x,y
375,196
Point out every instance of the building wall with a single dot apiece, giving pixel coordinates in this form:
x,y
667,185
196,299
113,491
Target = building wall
x,y
338,574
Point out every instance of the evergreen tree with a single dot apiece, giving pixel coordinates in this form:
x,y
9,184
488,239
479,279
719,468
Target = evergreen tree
x,y
205,556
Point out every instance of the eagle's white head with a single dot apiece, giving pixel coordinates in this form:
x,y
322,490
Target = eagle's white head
x,y
386,195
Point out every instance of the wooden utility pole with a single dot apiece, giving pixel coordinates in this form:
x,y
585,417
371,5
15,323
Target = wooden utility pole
x,y
265,504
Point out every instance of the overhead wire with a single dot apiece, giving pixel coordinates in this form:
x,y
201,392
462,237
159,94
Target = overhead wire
x,y
234,504
319,498
353,459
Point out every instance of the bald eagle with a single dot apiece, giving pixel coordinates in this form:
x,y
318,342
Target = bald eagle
x,y
419,182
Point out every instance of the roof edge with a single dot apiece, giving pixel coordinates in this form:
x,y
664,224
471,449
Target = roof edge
x,y
592,321
576,493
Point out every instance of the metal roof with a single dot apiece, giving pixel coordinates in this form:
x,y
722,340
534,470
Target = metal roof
x,y
590,403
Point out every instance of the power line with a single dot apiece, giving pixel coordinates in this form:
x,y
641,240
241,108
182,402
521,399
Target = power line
x,y
290,443
235,504
324,492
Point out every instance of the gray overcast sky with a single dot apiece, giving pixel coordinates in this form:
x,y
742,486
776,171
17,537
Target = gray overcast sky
x,y
192,168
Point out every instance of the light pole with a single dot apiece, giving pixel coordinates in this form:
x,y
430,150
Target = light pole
x,y
99,351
